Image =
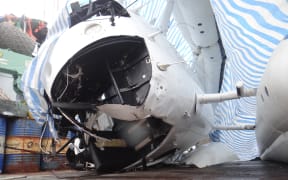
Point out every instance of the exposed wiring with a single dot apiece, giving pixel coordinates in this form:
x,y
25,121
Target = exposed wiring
x,y
73,76
81,127
77,75
67,84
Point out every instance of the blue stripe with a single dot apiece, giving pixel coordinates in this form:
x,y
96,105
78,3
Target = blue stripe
x,y
247,26
274,10
258,18
36,104
32,69
236,30
247,48
241,30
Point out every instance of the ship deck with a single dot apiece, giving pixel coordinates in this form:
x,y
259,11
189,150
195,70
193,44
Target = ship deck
x,y
237,170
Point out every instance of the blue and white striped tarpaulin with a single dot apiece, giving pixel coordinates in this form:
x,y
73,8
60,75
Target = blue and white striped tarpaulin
x,y
250,31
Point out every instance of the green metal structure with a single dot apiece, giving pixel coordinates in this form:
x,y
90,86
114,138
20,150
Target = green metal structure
x,y
12,63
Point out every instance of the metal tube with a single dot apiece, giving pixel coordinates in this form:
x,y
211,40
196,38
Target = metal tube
x,y
219,97
236,127
213,98
114,82
66,144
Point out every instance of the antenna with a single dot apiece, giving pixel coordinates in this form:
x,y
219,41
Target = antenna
x,y
163,67
131,4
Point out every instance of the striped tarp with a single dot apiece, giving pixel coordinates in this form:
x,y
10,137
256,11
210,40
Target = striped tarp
x,y
250,31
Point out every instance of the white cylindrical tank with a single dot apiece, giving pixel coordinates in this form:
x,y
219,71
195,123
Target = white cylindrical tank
x,y
272,101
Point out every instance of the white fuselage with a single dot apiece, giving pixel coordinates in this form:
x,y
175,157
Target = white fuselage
x,y
172,92
272,114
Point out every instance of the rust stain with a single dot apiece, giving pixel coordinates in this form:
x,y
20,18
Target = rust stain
x,y
23,163
22,145
59,162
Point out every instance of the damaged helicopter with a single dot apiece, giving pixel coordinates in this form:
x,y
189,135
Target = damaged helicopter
x,y
118,84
